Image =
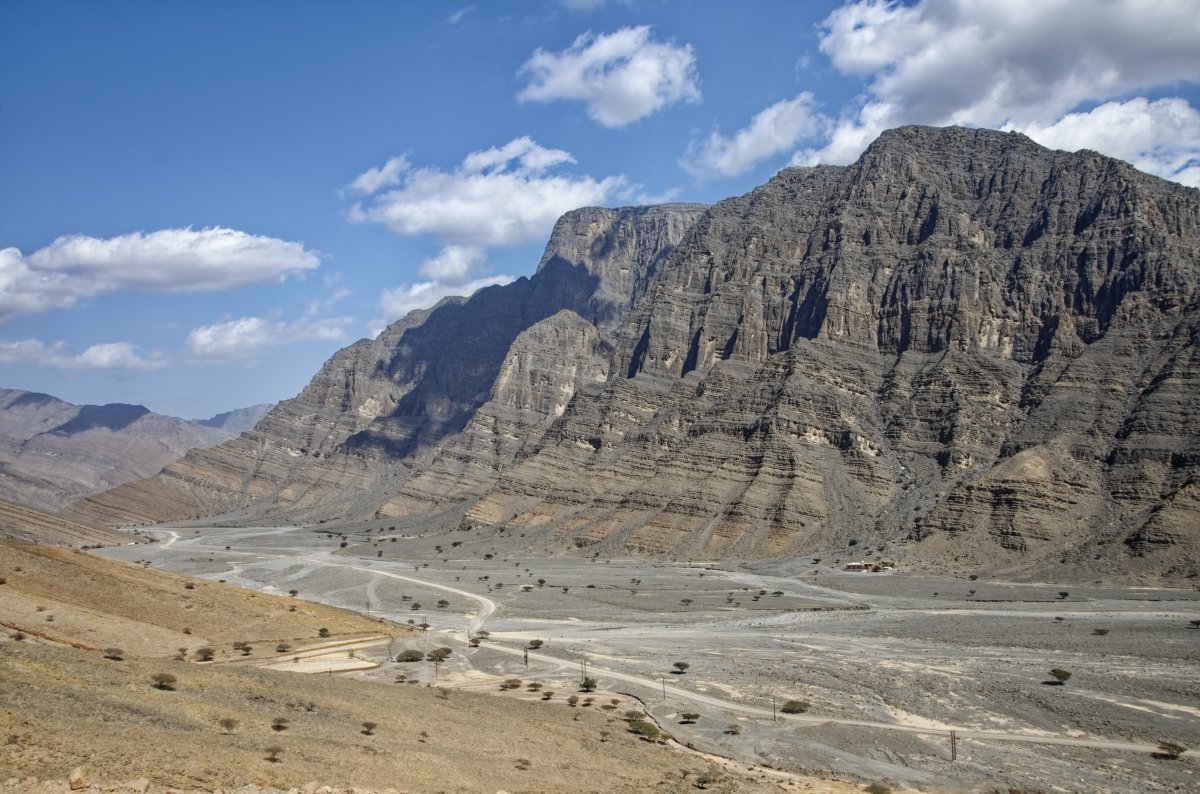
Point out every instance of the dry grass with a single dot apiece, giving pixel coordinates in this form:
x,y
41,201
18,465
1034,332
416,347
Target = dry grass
x,y
63,704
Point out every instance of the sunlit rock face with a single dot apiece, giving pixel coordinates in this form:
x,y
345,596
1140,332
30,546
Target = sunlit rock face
x,y
964,349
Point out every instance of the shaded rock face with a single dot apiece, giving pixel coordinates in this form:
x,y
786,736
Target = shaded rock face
x,y
53,452
964,350
378,409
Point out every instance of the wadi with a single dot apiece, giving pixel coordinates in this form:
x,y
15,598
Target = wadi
x,y
882,475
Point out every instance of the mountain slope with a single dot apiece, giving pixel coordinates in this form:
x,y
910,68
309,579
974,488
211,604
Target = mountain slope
x,y
375,408
239,420
53,452
963,350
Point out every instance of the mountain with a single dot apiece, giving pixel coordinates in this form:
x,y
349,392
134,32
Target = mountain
x,y
239,420
964,351
53,452
26,525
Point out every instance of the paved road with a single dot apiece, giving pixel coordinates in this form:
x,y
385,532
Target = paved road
x,y
487,608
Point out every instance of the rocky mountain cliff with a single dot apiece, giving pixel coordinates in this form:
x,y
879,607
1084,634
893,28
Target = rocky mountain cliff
x,y
53,452
964,350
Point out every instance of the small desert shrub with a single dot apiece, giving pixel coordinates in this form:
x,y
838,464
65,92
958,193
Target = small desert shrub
x,y
878,787
273,753
227,724
733,729
410,656
645,730
164,681
689,717
282,647
322,632
795,707
279,724
1060,675
205,654
1171,750
547,695
369,728
510,683
116,654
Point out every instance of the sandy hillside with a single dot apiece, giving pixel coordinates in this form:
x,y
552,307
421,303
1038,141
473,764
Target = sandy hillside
x,y
65,704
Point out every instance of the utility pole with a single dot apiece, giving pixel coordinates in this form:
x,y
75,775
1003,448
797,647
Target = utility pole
x,y
953,746
772,708
664,683
526,658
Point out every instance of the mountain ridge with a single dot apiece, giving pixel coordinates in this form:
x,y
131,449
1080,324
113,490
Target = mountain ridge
x,y
963,350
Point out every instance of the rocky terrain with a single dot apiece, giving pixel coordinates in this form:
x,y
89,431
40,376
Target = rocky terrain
x,y
27,525
964,351
53,452
106,688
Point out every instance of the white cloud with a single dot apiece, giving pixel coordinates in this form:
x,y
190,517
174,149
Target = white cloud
x,y
376,178
454,264
112,356
497,197
458,15
1037,66
77,267
1161,137
621,77
776,129
401,300
245,338
581,6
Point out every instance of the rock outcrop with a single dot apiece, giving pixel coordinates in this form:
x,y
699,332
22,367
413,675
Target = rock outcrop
x,y
964,350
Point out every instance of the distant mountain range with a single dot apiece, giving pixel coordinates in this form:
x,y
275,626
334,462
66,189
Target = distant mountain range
x,y
53,452
237,421
965,352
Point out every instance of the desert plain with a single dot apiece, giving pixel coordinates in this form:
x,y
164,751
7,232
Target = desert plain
x,y
939,683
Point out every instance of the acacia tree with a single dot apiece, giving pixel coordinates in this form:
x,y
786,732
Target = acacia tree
x,y
682,667
1060,675
164,681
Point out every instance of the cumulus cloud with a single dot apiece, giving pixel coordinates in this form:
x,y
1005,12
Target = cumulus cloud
x,y
378,177
246,338
507,195
112,356
620,77
776,129
401,300
1029,65
1161,137
76,267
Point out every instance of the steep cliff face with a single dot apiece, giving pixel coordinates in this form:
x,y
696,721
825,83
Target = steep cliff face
x,y
964,348
347,441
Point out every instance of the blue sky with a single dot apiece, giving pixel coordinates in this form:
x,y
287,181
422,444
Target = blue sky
x,y
201,201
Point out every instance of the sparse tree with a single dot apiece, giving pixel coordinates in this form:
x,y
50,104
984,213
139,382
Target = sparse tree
x,y
227,724
369,728
572,700
535,644
689,717
116,654
733,729
588,684
244,647
524,764
322,632
411,655
1060,675
164,681
1194,624
1171,750
205,654
1063,594
293,593
795,707
282,647
547,695
1099,632
279,724
510,683
438,655
604,736
443,603
273,753
681,667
